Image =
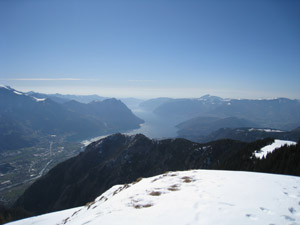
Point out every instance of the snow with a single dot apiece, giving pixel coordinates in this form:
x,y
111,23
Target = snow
x,y
206,197
21,93
39,99
270,148
18,93
265,130
47,219
4,86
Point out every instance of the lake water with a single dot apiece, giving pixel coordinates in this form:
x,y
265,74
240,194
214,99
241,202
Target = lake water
x,y
155,126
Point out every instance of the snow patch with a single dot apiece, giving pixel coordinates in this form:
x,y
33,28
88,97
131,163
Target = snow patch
x,y
18,93
6,87
266,130
39,99
270,148
190,197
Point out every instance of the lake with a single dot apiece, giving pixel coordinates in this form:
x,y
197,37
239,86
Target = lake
x,y
155,126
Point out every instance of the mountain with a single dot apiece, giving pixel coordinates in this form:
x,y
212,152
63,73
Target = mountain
x,y
122,159
189,108
43,115
6,214
59,98
54,98
247,134
151,104
14,135
24,117
202,126
113,160
111,112
281,113
131,103
189,197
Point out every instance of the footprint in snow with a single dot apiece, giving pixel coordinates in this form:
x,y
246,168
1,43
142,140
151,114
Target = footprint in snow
x,y
288,218
252,217
292,210
265,210
290,195
226,203
293,195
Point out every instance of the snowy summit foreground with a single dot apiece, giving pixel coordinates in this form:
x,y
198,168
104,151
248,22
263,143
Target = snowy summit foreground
x,y
190,197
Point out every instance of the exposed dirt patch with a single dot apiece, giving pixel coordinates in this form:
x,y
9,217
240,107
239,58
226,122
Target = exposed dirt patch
x,y
155,193
174,187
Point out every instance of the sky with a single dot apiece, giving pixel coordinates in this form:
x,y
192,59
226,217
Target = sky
x,y
152,48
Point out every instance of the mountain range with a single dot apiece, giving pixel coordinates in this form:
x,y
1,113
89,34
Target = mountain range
x,y
203,126
23,118
131,103
206,129
280,113
199,119
59,98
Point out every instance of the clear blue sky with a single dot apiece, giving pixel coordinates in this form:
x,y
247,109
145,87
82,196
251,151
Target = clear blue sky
x,y
239,49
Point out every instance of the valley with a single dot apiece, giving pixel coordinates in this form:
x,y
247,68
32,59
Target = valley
x,y
21,167
38,131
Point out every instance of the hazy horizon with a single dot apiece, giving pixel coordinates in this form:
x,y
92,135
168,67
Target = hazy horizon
x,y
148,49
144,98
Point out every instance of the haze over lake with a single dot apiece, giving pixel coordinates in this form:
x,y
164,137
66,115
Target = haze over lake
x,y
155,126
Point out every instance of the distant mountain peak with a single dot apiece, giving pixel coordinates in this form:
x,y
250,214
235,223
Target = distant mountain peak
x,y
210,98
30,95
10,90
111,100
6,87
130,140
205,96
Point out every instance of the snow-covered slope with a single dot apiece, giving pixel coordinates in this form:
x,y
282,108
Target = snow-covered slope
x,y
20,93
190,197
270,148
